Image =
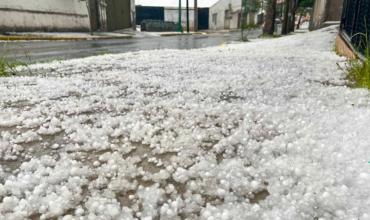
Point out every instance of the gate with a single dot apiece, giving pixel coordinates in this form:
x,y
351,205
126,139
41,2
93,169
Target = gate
x,y
149,13
118,14
203,18
355,25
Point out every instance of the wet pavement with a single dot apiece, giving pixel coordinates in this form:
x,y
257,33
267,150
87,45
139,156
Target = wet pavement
x,y
44,51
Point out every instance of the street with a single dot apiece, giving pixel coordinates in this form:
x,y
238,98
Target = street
x,y
43,51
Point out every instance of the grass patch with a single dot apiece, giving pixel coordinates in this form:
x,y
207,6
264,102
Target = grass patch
x,y
359,72
8,67
269,36
250,26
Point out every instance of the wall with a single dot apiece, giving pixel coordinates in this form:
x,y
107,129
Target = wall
x,y
172,14
344,49
325,10
334,10
118,14
219,9
133,14
233,20
43,15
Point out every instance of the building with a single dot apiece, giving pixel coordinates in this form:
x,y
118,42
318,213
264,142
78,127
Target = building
x,y
110,15
171,14
227,14
66,15
325,11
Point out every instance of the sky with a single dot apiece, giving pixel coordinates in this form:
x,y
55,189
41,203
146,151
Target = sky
x,y
172,3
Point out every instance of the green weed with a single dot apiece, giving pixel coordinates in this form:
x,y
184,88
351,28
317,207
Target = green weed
x,y
250,26
8,67
359,70
268,36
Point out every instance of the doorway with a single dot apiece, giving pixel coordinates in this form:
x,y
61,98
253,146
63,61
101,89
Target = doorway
x,y
93,7
118,14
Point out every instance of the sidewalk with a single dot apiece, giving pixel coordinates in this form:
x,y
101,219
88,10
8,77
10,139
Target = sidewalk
x,y
260,130
59,36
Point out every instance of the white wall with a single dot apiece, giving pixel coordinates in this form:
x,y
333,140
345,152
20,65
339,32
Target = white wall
x,y
133,14
236,5
172,14
220,8
319,14
43,15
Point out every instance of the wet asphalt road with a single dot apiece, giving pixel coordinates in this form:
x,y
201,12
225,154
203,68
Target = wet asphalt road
x,y
44,51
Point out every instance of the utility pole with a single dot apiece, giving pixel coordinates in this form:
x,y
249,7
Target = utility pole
x,y
180,19
187,16
195,15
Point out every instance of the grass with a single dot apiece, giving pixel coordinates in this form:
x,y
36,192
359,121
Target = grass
x,y
250,26
268,36
8,67
359,72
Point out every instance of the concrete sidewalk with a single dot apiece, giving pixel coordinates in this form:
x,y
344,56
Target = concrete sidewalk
x,y
58,36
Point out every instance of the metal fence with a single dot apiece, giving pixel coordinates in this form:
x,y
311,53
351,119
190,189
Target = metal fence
x,y
355,25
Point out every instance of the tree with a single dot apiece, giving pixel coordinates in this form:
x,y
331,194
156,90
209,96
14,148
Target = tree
x,y
286,17
306,4
293,9
270,17
290,9
303,7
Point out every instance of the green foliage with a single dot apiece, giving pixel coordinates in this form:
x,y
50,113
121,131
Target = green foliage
x,y
8,67
359,73
306,3
268,36
250,26
253,5
9,64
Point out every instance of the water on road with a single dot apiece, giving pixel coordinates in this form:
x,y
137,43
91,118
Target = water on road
x,y
44,51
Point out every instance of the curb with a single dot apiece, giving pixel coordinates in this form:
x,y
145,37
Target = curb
x,y
180,34
46,38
